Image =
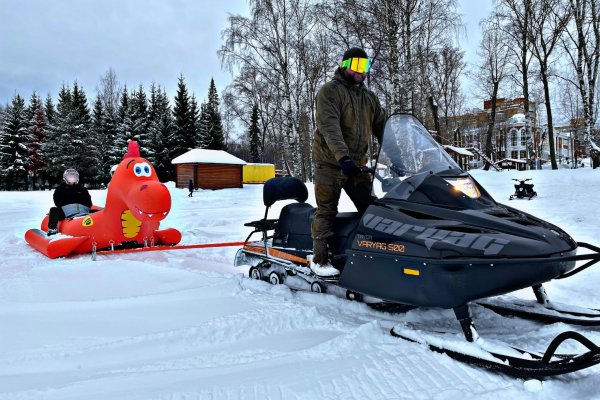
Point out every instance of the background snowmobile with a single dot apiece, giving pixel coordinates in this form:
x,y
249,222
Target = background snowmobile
x,y
523,190
433,237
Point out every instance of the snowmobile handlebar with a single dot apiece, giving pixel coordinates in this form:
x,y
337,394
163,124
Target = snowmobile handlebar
x,y
522,180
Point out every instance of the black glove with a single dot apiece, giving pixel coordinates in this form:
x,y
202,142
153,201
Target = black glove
x,y
399,169
349,167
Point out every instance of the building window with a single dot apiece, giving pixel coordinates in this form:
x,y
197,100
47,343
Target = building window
x,y
523,138
513,136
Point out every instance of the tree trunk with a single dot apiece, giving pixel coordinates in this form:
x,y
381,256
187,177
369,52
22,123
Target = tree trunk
x,y
436,120
491,124
549,117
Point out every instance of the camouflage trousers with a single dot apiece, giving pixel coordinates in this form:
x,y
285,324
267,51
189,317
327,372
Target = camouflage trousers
x,y
329,182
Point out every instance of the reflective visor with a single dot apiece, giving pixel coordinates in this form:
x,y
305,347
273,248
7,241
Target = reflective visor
x,y
360,65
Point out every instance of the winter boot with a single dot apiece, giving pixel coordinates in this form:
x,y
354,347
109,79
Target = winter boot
x,y
53,221
324,270
319,260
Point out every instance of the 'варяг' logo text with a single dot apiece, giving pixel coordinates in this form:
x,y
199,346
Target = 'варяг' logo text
x,y
488,245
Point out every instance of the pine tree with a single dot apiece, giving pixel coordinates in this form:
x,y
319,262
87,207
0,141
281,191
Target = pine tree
x,y
161,126
123,129
107,138
13,145
183,137
49,109
37,137
204,138
84,144
98,130
139,121
195,120
211,129
59,135
254,136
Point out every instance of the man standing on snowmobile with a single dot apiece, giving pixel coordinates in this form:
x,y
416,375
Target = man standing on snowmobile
x,y
347,114
71,200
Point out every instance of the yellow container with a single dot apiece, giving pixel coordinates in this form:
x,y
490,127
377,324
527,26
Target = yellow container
x,y
258,173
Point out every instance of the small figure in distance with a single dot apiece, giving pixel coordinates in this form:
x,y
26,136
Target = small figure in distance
x,y
191,187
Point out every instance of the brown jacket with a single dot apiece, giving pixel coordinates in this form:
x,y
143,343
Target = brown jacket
x,y
347,116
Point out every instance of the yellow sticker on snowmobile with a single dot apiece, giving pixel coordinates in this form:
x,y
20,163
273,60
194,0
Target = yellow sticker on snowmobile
x,y
409,271
87,221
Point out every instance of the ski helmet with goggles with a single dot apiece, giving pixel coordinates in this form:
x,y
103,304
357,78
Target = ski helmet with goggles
x,y
71,176
356,59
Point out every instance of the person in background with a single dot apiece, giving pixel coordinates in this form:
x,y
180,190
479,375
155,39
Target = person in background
x,y
347,115
71,200
190,187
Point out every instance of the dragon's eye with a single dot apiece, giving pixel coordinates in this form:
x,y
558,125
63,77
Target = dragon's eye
x,y
142,169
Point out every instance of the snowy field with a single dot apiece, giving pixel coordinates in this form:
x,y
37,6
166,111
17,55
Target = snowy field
x,y
184,325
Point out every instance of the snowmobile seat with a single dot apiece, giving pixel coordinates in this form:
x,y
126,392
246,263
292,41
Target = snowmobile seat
x,y
284,188
345,226
293,227
275,189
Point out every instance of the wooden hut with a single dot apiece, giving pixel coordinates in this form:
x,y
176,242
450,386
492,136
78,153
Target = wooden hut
x,y
512,163
461,155
208,169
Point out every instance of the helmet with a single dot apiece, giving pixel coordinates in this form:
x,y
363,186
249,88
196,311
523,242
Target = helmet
x,y
71,176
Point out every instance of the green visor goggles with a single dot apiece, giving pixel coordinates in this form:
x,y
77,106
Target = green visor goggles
x,y
360,65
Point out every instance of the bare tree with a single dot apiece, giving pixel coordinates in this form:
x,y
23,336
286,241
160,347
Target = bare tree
x,y
583,48
447,65
516,16
549,19
109,90
494,53
271,44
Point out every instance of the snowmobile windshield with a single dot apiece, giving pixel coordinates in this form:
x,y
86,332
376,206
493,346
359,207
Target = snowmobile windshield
x,y
408,150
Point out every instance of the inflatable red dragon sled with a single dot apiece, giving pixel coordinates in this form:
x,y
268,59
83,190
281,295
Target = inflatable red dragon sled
x,y
136,202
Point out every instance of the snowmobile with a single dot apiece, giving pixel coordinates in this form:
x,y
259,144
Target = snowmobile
x,y
523,190
434,238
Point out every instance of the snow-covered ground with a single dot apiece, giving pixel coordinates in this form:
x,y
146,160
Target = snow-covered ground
x,y
186,325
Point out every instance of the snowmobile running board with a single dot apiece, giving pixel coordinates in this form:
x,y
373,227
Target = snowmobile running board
x,y
507,359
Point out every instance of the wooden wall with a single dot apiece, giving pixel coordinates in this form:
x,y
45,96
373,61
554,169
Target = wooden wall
x,y
185,172
210,176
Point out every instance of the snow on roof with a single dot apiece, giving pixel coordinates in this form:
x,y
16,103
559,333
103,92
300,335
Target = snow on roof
x,y
267,164
513,160
203,156
459,150
518,118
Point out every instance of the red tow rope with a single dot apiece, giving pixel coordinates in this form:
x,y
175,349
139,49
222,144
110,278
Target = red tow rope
x,y
179,247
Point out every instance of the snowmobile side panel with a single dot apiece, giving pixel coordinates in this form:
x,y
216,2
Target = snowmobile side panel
x,y
53,246
444,283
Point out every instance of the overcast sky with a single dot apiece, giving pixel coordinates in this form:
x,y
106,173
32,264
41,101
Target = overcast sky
x,y
45,43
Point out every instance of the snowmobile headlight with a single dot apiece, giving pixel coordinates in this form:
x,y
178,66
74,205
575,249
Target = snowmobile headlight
x,y
465,185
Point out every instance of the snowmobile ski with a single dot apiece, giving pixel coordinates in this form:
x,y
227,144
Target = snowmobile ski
x,y
503,358
542,309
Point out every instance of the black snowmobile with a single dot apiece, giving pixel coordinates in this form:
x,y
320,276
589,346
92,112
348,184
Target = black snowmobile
x,y
433,237
523,190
